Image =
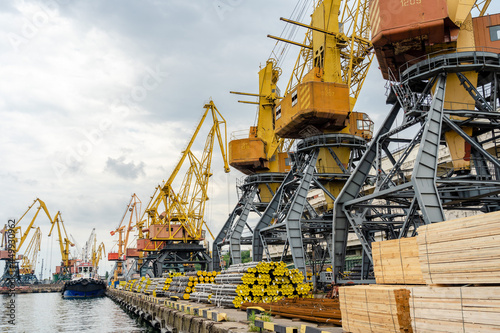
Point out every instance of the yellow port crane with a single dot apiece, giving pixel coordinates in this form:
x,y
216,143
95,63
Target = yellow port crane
x,y
318,108
98,252
263,157
16,242
64,244
133,211
262,150
174,220
326,81
28,264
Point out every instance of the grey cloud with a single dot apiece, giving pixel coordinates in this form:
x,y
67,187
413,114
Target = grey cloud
x,y
125,170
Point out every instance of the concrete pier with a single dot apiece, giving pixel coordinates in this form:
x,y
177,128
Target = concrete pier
x,y
190,317
36,288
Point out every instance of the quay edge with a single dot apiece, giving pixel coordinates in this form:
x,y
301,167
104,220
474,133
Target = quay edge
x,y
167,319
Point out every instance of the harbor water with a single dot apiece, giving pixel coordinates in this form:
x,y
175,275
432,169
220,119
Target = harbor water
x,y
49,312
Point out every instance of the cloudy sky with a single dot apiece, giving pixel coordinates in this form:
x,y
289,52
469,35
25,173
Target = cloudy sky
x,y
98,98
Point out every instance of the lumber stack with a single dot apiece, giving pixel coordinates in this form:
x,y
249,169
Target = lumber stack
x,y
397,262
455,309
461,251
444,256
375,308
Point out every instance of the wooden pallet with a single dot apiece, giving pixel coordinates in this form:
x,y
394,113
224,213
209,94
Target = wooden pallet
x,y
397,262
375,308
461,251
455,309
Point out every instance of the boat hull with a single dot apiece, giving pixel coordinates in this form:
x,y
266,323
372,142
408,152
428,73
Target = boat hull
x,y
84,288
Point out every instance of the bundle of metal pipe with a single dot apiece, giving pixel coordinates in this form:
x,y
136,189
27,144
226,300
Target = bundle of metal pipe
x,y
151,285
223,301
258,282
231,278
223,295
317,310
240,268
141,285
185,285
200,296
224,289
157,286
130,284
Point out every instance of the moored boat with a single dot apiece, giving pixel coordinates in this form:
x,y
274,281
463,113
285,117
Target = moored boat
x,y
85,283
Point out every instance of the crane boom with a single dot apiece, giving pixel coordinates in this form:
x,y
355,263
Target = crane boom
x,y
28,264
97,254
30,226
184,209
18,241
64,243
353,54
175,217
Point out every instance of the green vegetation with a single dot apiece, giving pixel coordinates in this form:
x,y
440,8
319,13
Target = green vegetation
x,y
245,257
263,317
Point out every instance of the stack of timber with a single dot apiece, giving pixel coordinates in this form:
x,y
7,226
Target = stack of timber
x,y
397,262
376,308
455,309
451,254
461,251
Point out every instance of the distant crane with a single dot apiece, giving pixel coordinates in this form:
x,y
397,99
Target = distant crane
x,y
64,244
11,272
28,264
132,210
98,252
41,272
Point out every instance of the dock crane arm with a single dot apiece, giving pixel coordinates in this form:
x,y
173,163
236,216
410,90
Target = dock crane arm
x,y
186,207
64,242
30,226
134,207
28,264
97,255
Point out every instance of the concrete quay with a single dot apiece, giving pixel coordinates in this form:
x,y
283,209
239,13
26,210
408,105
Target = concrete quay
x,y
189,317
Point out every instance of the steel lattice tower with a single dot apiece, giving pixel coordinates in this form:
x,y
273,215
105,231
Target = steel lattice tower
x,y
404,198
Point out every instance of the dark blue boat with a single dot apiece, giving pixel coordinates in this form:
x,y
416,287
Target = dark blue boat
x,y
84,284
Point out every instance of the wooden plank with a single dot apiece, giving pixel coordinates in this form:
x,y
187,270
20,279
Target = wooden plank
x,y
397,262
461,251
375,309
455,309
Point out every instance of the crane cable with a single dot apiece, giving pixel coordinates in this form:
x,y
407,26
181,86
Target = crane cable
x,y
280,50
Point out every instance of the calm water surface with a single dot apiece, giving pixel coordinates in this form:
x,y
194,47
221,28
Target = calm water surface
x,y
51,313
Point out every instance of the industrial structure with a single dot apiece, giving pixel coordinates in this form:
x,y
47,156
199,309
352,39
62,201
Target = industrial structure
x,y
263,157
132,214
13,239
443,67
317,108
64,271
172,228
28,264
